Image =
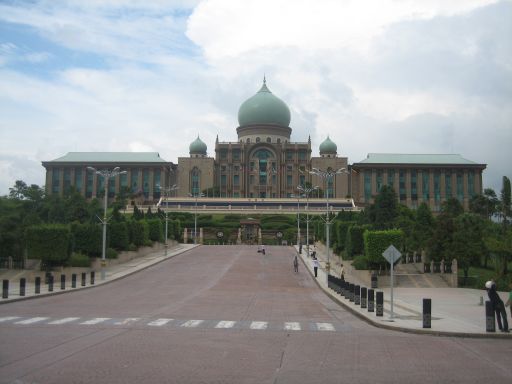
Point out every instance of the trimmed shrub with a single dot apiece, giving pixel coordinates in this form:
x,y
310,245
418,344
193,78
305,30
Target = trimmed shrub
x,y
155,230
376,242
360,262
79,260
86,238
110,253
118,236
48,242
139,232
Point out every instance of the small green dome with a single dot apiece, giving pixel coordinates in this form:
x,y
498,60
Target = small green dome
x,y
197,147
328,146
264,108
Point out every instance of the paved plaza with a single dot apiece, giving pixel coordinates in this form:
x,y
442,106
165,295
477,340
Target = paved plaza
x,y
228,314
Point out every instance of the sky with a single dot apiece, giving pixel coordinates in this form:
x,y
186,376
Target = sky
x,y
384,76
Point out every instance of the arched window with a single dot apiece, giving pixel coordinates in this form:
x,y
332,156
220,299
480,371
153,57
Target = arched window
x,y
278,141
248,141
195,176
269,140
257,139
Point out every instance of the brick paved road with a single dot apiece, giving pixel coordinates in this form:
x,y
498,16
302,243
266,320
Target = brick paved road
x,y
225,315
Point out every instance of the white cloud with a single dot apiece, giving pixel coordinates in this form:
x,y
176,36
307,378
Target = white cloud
x,y
377,76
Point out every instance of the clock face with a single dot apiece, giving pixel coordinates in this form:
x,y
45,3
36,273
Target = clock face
x,y
279,235
220,234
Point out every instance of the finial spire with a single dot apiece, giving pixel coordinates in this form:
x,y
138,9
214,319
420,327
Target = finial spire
x,y
264,79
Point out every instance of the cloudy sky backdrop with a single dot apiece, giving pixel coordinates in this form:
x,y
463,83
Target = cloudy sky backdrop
x,y
393,76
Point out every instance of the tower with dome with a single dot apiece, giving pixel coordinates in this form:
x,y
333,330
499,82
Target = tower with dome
x,y
263,162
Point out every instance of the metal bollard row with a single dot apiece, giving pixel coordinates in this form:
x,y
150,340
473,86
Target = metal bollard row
x,y
49,280
373,301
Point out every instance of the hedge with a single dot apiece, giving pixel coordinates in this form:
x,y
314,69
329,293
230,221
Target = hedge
x,y
340,228
48,242
376,242
87,239
79,260
354,243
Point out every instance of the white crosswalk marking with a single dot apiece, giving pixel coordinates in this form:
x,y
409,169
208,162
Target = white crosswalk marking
x,y
63,321
126,321
159,322
259,325
97,320
191,323
8,318
292,326
32,320
325,327
225,324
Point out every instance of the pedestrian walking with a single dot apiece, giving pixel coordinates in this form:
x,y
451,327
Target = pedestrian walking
x,y
342,273
295,264
497,306
316,265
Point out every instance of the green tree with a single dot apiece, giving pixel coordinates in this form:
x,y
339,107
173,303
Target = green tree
x,y
467,244
423,227
504,206
385,209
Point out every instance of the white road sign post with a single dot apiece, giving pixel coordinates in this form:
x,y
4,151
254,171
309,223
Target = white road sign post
x,y
391,254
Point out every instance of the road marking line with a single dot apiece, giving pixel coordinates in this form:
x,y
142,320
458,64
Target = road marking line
x,y
259,325
292,326
32,320
191,323
325,327
159,322
64,320
225,324
126,321
95,321
8,318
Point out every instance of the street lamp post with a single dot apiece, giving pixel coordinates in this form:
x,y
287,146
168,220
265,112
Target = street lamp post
x,y
328,176
106,174
195,214
167,192
306,191
298,218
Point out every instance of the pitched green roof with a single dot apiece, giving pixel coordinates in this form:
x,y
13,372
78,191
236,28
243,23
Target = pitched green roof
x,y
110,157
400,158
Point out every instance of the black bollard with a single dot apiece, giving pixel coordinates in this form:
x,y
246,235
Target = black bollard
x,y
380,304
92,277
73,280
357,295
50,283
351,293
490,323
427,313
62,281
37,285
363,297
374,280
371,300
23,284
84,277
5,289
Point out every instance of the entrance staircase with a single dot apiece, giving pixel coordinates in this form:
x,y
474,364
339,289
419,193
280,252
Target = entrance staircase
x,y
412,276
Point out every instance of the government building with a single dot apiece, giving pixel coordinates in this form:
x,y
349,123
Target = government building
x,y
265,164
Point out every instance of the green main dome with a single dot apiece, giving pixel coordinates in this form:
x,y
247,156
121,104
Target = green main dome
x,y
198,147
328,146
264,108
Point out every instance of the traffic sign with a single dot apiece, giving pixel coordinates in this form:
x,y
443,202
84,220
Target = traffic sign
x,y
391,254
